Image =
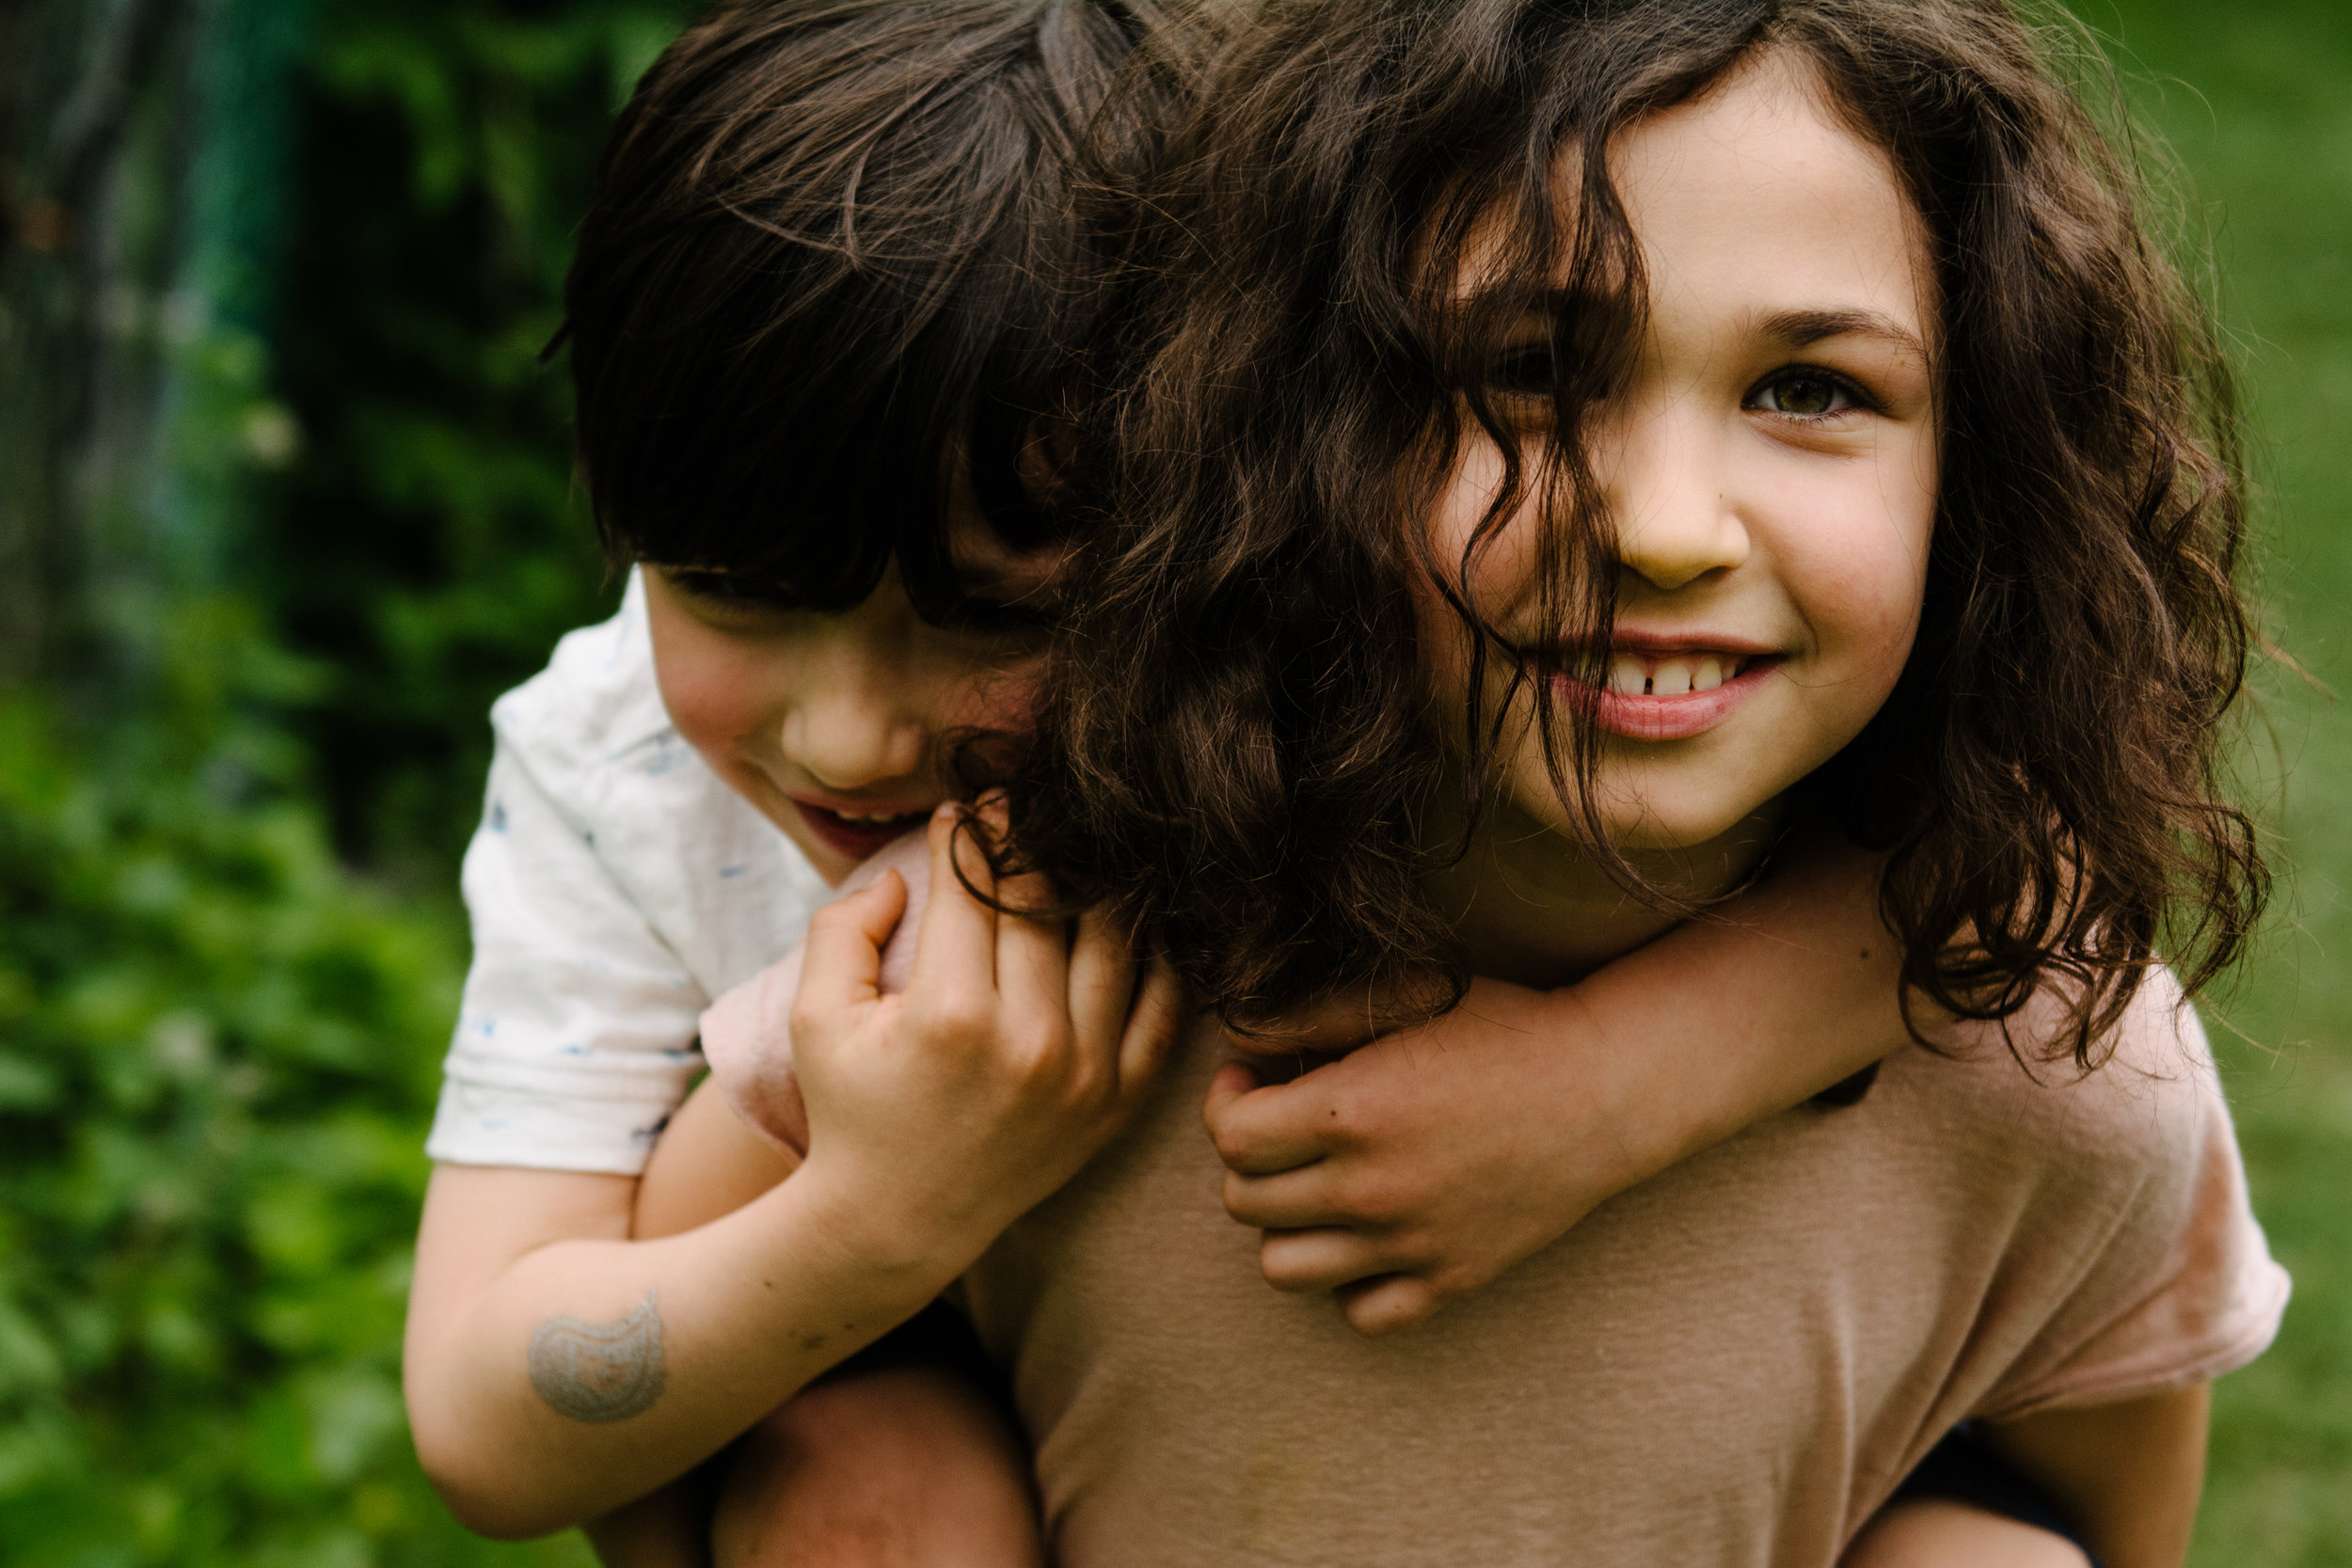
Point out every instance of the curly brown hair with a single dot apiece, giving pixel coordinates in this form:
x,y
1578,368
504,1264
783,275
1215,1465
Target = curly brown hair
x,y
1236,745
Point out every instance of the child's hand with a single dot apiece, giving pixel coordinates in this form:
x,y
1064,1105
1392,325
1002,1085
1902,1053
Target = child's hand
x,y
940,1115
1420,1167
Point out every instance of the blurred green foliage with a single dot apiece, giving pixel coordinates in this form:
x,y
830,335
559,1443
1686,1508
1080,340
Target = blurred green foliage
x,y
426,545
217,1048
2253,98
229,944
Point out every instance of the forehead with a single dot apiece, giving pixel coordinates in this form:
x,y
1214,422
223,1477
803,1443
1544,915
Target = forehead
x,y
1760,198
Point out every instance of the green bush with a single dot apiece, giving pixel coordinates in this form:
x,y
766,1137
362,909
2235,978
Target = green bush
x,y
219,1042
219,1049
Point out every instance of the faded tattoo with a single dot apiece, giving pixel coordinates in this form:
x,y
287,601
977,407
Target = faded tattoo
x,y
599,1372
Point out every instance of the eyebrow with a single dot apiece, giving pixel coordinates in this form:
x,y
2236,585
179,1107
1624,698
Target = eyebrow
x,y
1797,328
1804,329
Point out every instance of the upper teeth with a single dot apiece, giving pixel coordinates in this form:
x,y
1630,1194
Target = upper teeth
x,y
872,821
1673,676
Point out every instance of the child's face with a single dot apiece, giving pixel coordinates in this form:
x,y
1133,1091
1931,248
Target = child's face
x,y
831,724
1770,471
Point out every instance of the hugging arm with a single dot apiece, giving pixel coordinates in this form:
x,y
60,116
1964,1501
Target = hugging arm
x,y
903,1462
555,1367
1415,1170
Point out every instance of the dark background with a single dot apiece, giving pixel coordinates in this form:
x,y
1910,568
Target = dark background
x,y
285,501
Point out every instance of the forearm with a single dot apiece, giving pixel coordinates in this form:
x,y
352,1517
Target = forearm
x,y
1802,990
589,1371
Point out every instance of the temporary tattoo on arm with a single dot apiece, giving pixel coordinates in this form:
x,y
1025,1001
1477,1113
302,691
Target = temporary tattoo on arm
x,y
599,1372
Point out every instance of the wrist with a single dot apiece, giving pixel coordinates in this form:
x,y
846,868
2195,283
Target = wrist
x,y
1646,1132
901,1243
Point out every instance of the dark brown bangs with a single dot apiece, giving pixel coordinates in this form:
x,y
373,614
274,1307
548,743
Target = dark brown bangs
x,y
830,243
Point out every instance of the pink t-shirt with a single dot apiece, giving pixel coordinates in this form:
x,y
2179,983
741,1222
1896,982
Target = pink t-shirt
x,y
1731,1364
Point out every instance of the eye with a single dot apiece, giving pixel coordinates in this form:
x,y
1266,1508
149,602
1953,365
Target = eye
x,y
1804,392
1018,623
1526,371
730,594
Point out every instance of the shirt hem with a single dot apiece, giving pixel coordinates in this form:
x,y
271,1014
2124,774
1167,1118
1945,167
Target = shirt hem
x,y
2221,1354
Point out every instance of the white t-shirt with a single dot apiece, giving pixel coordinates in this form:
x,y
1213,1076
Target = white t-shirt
x,y
616,886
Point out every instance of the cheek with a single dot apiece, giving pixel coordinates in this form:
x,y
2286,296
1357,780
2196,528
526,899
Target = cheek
x,y
1864,580
715,689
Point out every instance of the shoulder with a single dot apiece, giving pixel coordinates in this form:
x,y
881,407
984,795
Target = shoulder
x,y
2130,1260
2151,1103
601,817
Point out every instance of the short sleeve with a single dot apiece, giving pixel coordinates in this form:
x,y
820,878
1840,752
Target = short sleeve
x,y
2184,1290
575,1040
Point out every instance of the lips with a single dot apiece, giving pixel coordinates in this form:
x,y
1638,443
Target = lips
x,y
1670,693
860,835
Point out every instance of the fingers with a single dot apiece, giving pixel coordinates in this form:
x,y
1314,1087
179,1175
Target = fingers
x,y
1322,1259
1297,1199
1335,1024
1261,1131
841,964
956,951
1033,959
1385,1303
1102,979
1159,1015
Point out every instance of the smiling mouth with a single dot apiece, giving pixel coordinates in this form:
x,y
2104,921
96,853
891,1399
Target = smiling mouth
x,y
1632,674
858,835
1668,693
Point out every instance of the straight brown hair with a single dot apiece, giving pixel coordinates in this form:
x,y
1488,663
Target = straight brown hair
x,y
829,243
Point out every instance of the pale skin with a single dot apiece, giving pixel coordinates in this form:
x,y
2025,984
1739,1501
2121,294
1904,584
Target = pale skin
x,y
1771,472
1030,1041
1016,1052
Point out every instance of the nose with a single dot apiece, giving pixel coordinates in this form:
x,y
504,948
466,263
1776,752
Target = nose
x,y
854,726
1664,477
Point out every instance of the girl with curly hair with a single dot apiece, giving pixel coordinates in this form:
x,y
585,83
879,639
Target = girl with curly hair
x,y
1550,463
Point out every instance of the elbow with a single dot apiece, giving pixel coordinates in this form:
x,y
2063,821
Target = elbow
x,y
482,1493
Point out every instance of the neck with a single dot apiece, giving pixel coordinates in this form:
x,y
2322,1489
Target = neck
x,y
1531,905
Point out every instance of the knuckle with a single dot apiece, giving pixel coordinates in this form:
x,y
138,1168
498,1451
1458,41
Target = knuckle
x,y
1241,1198
1231,1145
1348,1121
1371,1198
954,1016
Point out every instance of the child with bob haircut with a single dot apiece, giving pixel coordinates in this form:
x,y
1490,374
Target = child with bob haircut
x,y
807,318
1547,462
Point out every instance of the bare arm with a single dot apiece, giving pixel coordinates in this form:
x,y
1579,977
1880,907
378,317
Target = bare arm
x,y
1418,1168
556,1368
2127,1475
551,1375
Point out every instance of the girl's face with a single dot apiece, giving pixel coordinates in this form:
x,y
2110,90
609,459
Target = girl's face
x,y
831,724
1769,471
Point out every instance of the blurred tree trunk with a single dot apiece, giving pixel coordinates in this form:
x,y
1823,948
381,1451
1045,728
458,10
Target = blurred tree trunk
x,y
101,101
144,155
